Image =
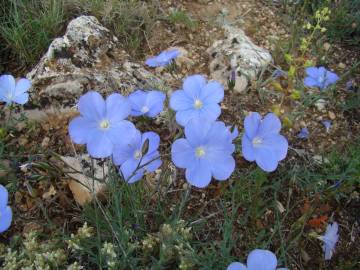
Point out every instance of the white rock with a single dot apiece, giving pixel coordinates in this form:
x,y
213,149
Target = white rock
x,y
87,57
240,84
82,185
236,51
320,104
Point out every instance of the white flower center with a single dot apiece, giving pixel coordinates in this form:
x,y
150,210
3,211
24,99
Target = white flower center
x,y
137,154
144,109
104,124
200,152
10,96
256,141
198,104
321,79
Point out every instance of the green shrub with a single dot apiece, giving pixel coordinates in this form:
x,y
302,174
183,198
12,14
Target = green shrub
x,y
28,27
178,16
344,23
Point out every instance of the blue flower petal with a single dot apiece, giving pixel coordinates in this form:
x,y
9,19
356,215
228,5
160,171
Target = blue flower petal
x,y
261,259
21,98
125,149
312,72
331,78
137,100
5,219
151,162
80,129
247,148
210,112
179,100
303,134
266,159
128,170
219,138
269,125
327,124
22,86
182,154
7,84
173,53
251,124
99,145
330,239
193,86
7,88
163,59
311,82
183,117
236,266
120,132
222,166
117,107
92,106
151,62
277,144
122,153
4,196
213,92
196,131
199,175
155,103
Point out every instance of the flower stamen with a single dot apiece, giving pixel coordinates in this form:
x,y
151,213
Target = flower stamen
x,y
198,104
145,109
199,152
104,124
256,141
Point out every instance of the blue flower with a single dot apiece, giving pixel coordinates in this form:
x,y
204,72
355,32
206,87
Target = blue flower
x,y
330,239
205,152
131,159
320,77
258,259
349,85
101,124
11,91
198,99
262,142
163,59
5,210
303,133
278,73
146,103
327,124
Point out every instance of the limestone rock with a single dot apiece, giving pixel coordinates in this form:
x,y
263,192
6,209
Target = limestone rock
x,y
320,105
82,184
237,52
86,58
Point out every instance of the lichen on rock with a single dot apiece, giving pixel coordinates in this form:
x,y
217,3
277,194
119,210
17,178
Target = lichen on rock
x,y
237,52
87,57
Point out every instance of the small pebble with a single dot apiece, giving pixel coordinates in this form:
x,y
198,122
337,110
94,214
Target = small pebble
x,y
331,115
342,65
